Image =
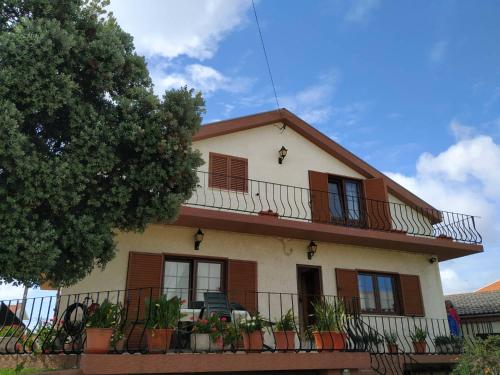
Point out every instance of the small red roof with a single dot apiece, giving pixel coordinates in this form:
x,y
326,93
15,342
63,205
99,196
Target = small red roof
x,y
493,287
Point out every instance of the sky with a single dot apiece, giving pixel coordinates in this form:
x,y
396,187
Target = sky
x,y
413,90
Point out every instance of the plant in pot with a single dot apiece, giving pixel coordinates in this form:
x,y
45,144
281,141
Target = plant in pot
x,y
442,344
391,340
418,337
10,336
284,336
251,331
328,330
208,333
162,318
370,341
100,324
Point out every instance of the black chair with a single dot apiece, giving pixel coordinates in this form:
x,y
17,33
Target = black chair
x,y
216,303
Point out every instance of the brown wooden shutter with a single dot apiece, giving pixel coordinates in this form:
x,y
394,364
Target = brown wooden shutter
x,y
347,288
218,169
376,204
242,283
411,295
318,185
144,280
238,170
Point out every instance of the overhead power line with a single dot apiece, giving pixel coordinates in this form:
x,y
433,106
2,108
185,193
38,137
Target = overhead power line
x,y
265,55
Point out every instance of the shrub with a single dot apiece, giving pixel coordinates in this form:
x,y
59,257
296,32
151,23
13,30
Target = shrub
x,y
480,357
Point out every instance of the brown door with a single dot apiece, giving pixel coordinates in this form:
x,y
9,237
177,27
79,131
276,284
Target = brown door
x,y
309,290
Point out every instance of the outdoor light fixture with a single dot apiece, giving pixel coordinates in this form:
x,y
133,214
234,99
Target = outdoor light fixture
x,y
311,249
198,237
282,153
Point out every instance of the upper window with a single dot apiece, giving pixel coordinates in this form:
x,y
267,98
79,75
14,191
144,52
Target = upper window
x,y
345,200
188,278
228,172
377,293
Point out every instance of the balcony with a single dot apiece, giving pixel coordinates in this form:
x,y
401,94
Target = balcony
x,y
274,200
56,325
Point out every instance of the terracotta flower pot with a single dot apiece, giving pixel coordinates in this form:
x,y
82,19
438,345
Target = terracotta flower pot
x,y
420,347
158,339
392,348
98,340
285,340
253,341
330,340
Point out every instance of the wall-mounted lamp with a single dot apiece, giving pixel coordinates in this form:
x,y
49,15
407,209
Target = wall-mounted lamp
x,y
198,237
311,249
433,259
282,153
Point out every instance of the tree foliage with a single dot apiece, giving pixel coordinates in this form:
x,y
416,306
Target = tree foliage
x,y
86,148
481,357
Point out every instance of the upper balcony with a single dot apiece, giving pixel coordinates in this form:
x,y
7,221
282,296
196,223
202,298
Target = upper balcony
x,y
312,214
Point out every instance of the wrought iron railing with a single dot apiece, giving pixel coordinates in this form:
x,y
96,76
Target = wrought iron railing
x,y
298,203
50,325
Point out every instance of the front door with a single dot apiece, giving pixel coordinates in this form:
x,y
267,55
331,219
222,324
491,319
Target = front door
x,y
309,290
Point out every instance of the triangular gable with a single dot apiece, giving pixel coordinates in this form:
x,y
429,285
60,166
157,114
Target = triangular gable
x,y
313,135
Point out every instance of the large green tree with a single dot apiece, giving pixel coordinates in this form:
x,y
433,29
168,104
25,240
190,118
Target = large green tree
x,y
86,148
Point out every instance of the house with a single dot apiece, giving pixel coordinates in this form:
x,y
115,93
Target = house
x,y
480,308
282,216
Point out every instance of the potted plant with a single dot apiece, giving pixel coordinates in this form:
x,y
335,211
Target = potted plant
x,y
328,329
9,337
370,341
418,337
284,336
251,330
207,332
100,324
391,339
162,317
442,344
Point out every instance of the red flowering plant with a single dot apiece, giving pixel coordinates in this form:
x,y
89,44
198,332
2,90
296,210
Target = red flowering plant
x,y
215,326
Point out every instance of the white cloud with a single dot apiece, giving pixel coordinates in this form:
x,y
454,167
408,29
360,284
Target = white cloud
x,y
313,103
200,77
465,179
173,28
9,291
438,51
360,10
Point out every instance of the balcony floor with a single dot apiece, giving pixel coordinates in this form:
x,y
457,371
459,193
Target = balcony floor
x,y
107,364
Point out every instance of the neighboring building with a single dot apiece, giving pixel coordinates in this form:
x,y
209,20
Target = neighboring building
x,y
478,309
281,230
494,286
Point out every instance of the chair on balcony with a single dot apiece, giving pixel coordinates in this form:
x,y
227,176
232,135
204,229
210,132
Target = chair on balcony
x,y
216,303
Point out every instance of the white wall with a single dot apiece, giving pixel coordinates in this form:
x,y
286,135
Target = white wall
x,y
277,260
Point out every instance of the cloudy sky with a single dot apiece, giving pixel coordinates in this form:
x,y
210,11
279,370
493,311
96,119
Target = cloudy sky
x,y
415,91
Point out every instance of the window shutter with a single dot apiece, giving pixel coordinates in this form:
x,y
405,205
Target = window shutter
x,y
218,171
377,206
242,283
238,168
411,295
318,185
144,280
347,288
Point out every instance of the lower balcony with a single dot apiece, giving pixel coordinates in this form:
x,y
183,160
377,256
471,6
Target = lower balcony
x,y
270,332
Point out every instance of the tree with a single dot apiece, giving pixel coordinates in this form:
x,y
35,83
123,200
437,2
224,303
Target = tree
x,y
86,148
480,357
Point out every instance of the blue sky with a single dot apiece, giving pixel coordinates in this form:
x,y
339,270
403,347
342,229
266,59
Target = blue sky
x,y
415,91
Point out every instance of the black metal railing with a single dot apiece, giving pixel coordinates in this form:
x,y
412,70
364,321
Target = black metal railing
x,y
298,203
50,325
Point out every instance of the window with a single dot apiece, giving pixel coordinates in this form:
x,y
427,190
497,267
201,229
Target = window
x,y
377,293
189,278
228,172
345,200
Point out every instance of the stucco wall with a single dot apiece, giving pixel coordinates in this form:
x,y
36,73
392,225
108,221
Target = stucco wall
x,y
276,258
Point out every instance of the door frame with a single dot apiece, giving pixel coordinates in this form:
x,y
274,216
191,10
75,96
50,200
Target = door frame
x,y
302,319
